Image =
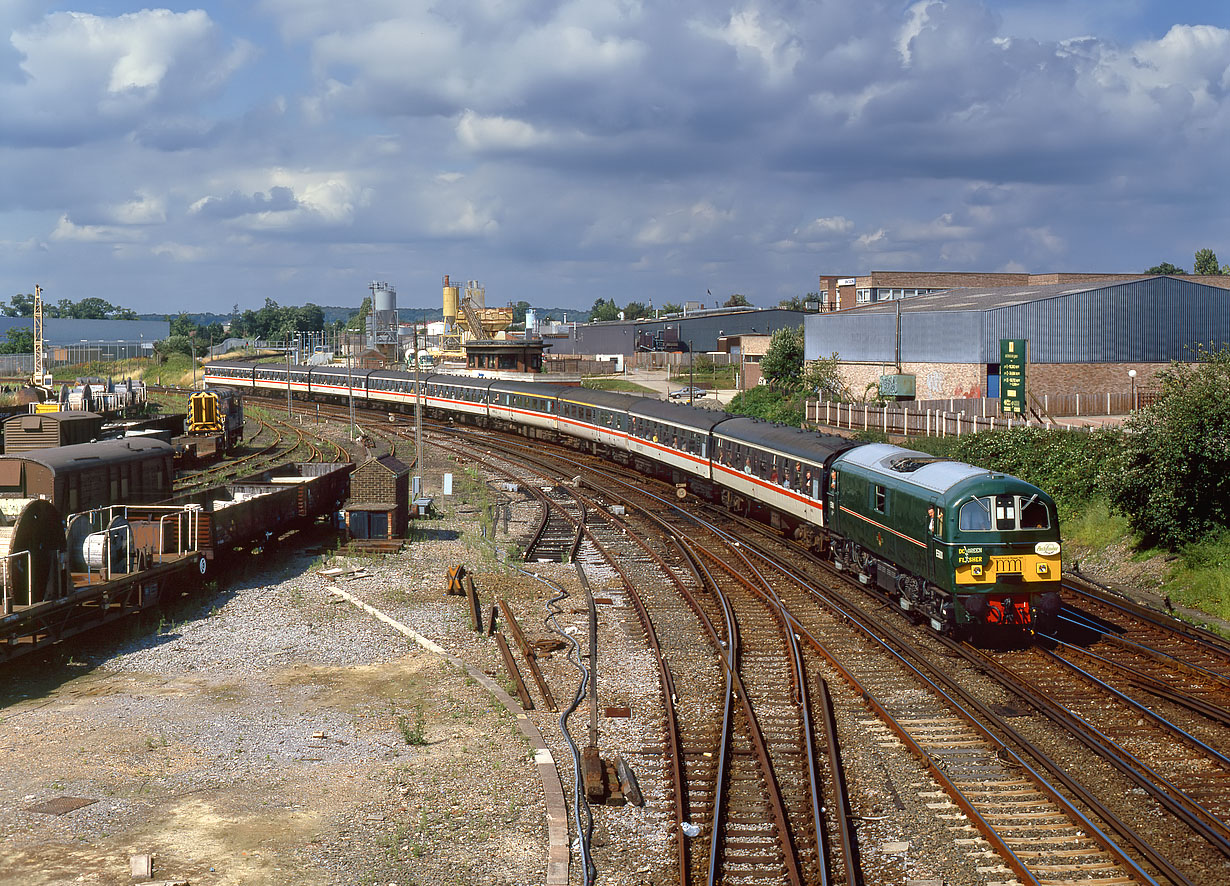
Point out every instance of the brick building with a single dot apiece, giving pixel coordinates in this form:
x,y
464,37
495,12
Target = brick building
x,y
1082,339
379,503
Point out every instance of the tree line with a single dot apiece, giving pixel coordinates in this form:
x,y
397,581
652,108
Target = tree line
x,y
1206,266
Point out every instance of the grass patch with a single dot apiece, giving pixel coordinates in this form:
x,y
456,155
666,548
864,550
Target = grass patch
x,y
1201,576
615,384
414,734
1095,527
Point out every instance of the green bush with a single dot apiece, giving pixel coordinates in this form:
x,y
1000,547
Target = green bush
x,y
1072,466
1173,475
769,404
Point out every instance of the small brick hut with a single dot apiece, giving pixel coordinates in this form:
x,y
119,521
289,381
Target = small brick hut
x,y
379,503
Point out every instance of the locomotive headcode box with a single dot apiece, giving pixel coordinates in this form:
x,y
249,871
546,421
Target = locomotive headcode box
x,y
971,557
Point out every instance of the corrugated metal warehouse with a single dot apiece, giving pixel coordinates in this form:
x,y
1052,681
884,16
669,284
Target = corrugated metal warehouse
x,y
702,329
1082,338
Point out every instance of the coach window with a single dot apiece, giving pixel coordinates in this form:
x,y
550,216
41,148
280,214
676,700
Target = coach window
x,y
880,498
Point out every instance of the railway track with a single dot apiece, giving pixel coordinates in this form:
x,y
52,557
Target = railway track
x,y
1069,851
1050,811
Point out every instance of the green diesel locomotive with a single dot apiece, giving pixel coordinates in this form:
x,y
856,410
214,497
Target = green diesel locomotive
x,y
957,545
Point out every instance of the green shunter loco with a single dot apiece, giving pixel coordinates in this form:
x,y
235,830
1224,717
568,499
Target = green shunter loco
x,y
955,544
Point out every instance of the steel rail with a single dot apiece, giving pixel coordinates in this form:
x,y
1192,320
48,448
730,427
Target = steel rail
x,y
1142,710
1108,597
845,816
1150,684
1018,866
777,810
1183,806
876,636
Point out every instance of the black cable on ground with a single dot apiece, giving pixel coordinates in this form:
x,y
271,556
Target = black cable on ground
x,y
582,814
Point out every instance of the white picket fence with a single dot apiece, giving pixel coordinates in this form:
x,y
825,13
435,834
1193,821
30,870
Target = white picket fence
x,y
928,422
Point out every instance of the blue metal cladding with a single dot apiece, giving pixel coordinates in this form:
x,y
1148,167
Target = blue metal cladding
x,y
1145,321
942,337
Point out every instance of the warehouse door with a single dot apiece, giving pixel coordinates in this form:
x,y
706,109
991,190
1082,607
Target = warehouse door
x,y
993,381
359,524
379,526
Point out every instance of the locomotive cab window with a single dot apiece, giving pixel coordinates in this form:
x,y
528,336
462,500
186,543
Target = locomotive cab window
x,y
1004,513
881,498
975,516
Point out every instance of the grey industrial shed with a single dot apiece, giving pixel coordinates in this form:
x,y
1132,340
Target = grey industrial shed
x,y
1082,338
702,329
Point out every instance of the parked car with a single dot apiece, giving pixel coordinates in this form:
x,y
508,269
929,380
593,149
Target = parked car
x,y
689,393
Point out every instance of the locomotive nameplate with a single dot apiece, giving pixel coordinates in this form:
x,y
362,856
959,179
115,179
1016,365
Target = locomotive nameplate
x,y
967,556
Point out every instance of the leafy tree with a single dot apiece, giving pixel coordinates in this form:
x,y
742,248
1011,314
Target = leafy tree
x,y
604,309
636,310
182,324
519,311
19,340
671,308
1166,268
21,305
798,302
823,378
1173,480
738,300
174,344
782,363
1206,263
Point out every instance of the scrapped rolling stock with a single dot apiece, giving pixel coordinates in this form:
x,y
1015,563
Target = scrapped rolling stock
x,y
62,574
960,547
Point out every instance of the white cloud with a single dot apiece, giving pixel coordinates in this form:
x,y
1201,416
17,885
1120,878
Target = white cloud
x,y
770,42
145,210
179,252
67,230
497,133
684,225
823,228
82,72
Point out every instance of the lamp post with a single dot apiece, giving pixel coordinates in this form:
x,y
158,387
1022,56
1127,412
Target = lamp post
x,y
350,389
691,374
288,407
1132,376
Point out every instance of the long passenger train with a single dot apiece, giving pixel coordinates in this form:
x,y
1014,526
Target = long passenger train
x,y
958,546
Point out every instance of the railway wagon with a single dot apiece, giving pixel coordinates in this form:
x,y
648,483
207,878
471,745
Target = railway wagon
x,y
321,488
91,475
46,430
256,509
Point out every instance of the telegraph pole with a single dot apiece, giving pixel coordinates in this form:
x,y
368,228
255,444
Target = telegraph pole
x,y
418,408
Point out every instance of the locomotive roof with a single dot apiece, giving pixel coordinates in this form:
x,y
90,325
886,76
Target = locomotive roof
x,y
59,458
681,414
921,469
791,441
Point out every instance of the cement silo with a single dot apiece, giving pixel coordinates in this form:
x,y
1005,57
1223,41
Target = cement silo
x,y
382,321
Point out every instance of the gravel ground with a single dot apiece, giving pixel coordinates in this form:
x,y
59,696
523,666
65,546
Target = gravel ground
x,y
273,735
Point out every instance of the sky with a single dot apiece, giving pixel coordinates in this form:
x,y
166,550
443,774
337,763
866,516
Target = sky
x,y
196,157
